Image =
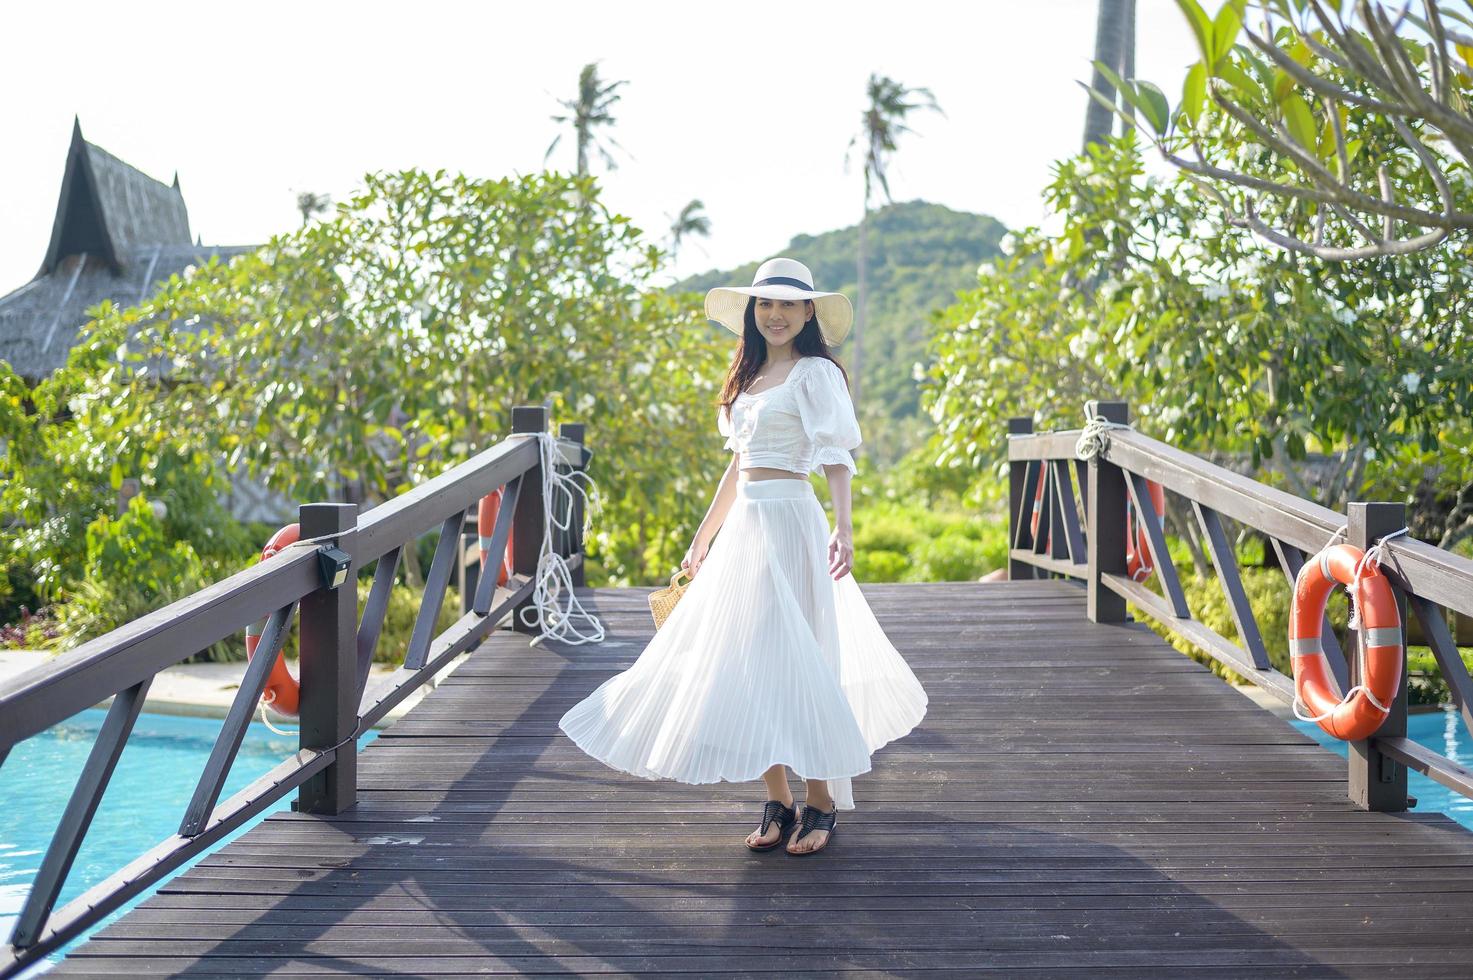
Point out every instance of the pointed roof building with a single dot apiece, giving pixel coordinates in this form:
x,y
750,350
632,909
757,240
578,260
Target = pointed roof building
x,y
117,234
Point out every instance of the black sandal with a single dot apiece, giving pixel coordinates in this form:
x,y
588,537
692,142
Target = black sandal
x,y
785,816
815,819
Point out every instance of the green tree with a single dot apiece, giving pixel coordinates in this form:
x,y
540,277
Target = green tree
x,y
360,355
1339,131
590,110
692,221
311,204
1219,346
888,105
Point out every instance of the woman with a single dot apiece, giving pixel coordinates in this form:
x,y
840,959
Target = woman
x,y
772,659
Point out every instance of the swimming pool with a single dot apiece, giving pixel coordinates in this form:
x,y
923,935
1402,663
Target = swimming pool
x,y
1443,733
143,805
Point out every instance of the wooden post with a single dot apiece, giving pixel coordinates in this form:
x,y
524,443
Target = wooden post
x,y
1105,546
575,432
329,668
1378,782
527,522
1017,487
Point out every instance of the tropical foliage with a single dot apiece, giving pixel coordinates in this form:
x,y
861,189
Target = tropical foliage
x,y
888,105
358,356
590,111
1218,344
1342,131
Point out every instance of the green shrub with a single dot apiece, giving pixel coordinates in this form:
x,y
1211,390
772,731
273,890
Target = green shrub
x,y
950,558
893,532
1427,685
896,542
404,604
130,569
879,565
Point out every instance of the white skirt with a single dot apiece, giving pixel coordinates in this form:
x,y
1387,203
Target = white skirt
x,y
766,659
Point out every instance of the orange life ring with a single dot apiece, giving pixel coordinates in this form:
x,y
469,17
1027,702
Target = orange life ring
x,y
1363,709
1038,509
282,692
1137,541
485,525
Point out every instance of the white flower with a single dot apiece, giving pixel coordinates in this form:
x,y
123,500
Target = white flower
x,y
642,368
1282,298
1215,291
917,371
1344,315
1007,244
1411,381
1369,454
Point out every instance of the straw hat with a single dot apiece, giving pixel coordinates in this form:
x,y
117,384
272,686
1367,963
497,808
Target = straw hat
x,y
782,279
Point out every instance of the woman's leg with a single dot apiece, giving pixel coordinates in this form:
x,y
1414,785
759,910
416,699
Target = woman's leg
x,y
778,789
818,798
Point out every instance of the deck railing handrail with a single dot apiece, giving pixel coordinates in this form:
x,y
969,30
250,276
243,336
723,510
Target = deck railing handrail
x,y
337,647
1067,517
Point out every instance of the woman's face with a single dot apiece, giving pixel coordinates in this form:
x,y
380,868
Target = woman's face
x,y
780,320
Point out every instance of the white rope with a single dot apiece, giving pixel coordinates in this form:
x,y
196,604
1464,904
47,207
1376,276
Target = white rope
x,y
1358,689
1096,437
554,606
266,699
1371,558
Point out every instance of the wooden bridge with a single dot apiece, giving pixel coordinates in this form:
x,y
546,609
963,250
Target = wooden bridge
x,y
1079,797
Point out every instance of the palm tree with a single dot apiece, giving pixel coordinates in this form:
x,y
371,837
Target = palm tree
x,y
309,204
882,123
1115,47
592,108
691,221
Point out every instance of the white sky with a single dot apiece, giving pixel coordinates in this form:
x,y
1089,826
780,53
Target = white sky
x,y
749,107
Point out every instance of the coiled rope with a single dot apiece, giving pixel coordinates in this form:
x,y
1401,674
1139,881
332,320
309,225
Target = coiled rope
x,y
554,607
1095,438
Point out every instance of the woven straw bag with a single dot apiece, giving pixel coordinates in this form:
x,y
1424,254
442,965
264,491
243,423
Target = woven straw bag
x,y
662,601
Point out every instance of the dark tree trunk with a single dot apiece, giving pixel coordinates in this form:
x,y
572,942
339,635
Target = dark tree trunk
x,y
1127,59
1110,33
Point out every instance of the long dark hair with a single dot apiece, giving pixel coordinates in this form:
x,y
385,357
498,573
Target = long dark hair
x,y
751,352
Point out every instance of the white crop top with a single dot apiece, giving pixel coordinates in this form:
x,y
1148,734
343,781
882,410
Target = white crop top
x,y
800,425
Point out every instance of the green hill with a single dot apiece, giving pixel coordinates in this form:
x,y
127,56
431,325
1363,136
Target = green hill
x,y
919,256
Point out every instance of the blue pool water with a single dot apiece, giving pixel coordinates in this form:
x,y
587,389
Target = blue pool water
x,y
143,805
1440,731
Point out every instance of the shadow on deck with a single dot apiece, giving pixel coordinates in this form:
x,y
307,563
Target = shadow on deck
x,y
1079,797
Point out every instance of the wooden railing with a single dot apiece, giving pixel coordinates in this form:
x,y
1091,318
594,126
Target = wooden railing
x,y
337,646
1081,533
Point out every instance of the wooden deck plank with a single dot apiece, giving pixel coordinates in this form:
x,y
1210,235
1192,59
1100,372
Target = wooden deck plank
x,y
1102,806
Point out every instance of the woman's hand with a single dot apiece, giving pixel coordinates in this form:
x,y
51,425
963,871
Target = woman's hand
x,y
841,552
694,556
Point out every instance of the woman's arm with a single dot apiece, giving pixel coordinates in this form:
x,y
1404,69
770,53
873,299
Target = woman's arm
x,y
841,542
715,516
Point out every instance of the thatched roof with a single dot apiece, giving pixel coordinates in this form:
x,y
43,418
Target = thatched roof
x,y
117,234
